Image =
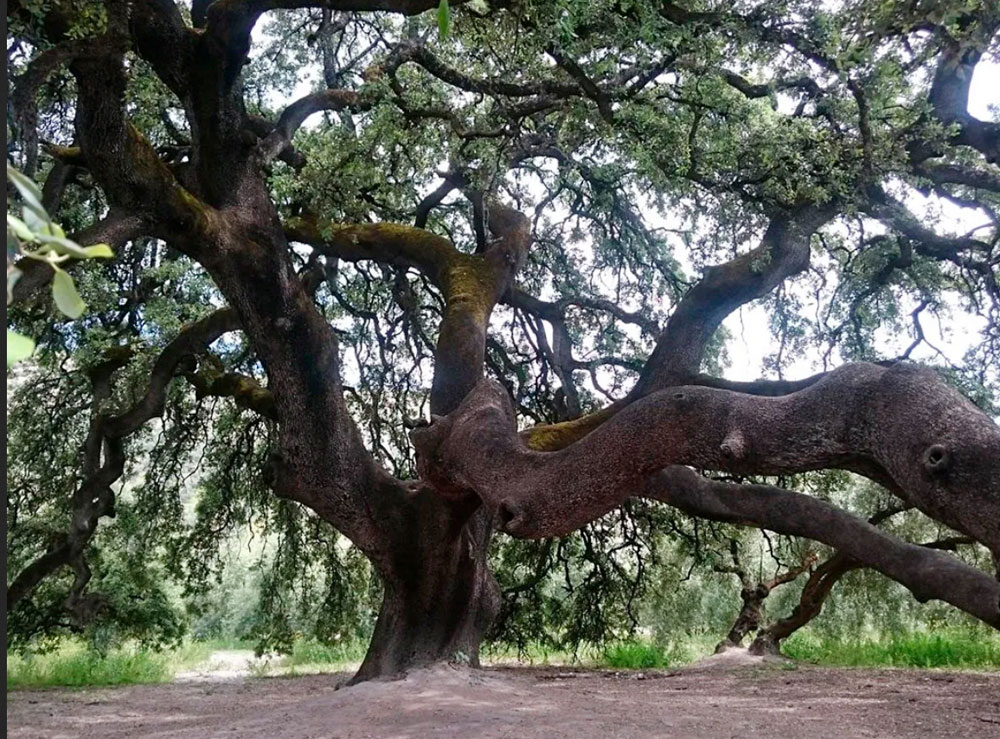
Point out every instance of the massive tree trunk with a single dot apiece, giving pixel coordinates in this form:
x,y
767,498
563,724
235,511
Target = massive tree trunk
x,y
439,595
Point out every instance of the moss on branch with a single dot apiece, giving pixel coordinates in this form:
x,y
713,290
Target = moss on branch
x,y
245,391
391,243
552,437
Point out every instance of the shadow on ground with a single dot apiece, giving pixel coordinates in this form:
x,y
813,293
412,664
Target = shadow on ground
x,y
726,696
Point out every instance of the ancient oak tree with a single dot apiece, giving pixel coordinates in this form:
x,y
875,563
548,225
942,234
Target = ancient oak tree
x,y
450,285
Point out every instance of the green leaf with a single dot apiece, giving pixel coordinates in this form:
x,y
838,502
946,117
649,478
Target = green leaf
x,y
19,227
444,18
31,195
18,347
63,245
64,293
25,185
54,229
33,220
99,251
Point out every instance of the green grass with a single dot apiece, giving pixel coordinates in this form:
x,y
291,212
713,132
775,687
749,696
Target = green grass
x,y
947,648
308,652
630,654
310,657
75,666
639,654
636,655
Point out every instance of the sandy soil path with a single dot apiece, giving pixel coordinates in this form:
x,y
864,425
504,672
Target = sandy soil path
x,y
718,699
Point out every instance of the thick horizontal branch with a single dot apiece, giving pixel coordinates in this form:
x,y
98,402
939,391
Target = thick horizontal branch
x,y
246,391
758,387
676,359
902,425
957,174
388,243
927,572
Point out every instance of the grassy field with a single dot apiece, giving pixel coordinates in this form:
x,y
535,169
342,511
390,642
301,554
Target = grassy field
x,y
951,648
310,657
73,665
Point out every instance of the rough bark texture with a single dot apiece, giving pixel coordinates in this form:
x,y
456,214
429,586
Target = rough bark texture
x,y
440,597
901,425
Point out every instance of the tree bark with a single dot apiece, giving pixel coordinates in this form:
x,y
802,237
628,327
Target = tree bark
x,y
814,595
750,617
439,595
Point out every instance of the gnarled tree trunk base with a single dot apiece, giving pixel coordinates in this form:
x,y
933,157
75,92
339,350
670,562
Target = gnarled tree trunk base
x,y
440,597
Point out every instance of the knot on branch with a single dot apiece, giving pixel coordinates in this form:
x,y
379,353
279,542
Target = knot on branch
x,y
505,221
512,232
483,422
937,459
428,440
734,446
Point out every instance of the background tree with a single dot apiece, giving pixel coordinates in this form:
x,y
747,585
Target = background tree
x,y
593,188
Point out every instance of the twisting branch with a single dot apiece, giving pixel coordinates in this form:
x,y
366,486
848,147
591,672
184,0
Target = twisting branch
x,y
25,91
754,593
295,115
471,284
926,242
784,251
926,572
104,458
556,311
818,588
901,426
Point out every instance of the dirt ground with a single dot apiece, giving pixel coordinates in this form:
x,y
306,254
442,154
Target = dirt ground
x,y
726,696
